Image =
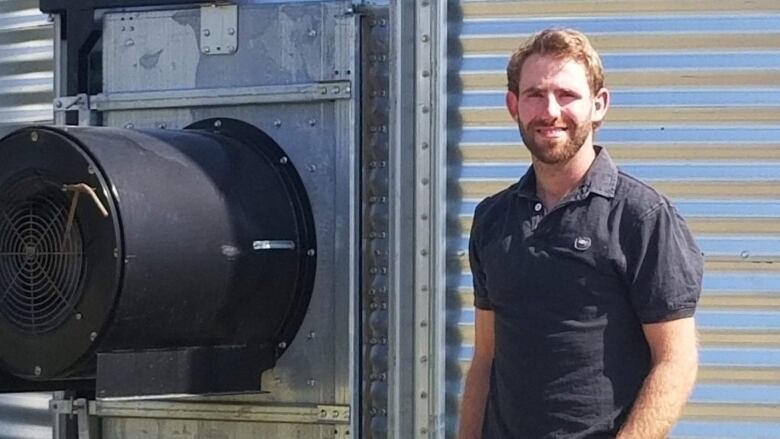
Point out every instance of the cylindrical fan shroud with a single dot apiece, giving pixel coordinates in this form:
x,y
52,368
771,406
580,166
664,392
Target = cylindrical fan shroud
x,y
118,240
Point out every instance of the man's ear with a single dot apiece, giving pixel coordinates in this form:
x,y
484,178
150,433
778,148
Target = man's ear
x,y
600,105
511,104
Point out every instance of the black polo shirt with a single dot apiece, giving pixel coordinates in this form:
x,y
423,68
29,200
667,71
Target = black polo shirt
x,y
570,289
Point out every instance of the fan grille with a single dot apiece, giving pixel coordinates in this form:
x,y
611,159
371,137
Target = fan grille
x,y
40,270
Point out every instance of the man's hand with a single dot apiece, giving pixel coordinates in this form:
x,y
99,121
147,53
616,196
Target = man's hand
x,y
668,386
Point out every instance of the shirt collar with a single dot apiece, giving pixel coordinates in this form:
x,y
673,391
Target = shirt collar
x,y
601,178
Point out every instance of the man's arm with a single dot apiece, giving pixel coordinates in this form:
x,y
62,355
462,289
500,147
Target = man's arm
x,y
668,386
475,393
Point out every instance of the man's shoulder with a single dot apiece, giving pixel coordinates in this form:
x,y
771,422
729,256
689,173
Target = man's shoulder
x,y
496,203
636,197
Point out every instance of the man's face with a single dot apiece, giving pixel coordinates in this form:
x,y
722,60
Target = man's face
x,y
555,109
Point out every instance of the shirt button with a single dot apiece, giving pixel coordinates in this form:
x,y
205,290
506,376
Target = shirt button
x,y
538,207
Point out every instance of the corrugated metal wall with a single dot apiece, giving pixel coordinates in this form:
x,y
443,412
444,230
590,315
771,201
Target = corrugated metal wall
x,y
696,112
26,63
26,93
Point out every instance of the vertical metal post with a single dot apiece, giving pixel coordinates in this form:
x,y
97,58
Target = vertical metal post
x,y
418,216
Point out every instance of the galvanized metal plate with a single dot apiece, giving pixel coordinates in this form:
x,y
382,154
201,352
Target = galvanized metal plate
x,y
219,29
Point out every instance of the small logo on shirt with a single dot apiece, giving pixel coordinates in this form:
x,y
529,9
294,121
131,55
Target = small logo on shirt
x,y
582,243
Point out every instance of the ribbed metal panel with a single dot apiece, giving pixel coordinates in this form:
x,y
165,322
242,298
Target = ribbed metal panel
x,y
26,64
25,416
26,93
695,112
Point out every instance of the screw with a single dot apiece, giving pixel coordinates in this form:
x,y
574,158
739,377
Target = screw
x,y
282,345
37,371
79,316
312,168
58,103
311,252
425,38
129,125
336,90
129,42
313,33
231,31
283,160
323,413
217,123
311,335
312,122
277,123
34,136
90,170
206,32
206,49
92,336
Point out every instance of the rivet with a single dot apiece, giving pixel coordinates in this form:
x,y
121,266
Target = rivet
x,y
231,49
424,288
311,335
424,324
129,125
744,254
58,103
425,38
323,413
312,382
424,145
92,336
336,90
423,359
37,371
423,430
231,31
206,49
423,395
282,345
79,316
129,42
161,125
312,122
277,123
312,168
424,216
424,181
323,91
311,252
425,109
34,136
283,160
217,123
424,252
206,32
90,170
426,73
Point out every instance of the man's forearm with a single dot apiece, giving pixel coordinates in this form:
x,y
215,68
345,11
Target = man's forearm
x,y
472,408
661,400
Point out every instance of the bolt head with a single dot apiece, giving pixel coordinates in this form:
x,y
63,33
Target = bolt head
x,y
217,123
37,371
206,32
34,136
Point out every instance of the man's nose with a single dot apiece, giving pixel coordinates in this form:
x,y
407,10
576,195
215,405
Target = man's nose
x,y
552,108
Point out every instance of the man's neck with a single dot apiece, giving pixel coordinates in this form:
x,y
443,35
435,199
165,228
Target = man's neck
x,y
554,182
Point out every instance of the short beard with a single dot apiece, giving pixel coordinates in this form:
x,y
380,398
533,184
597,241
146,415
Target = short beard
x,y
556,154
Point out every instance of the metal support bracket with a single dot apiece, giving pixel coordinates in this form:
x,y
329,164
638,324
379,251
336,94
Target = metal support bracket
x,y
78,103
87,426
219,29
280,413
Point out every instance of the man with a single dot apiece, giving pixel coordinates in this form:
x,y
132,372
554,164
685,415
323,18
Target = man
x,y
585,279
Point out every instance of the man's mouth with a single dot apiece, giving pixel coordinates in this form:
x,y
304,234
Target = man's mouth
x,y
550,131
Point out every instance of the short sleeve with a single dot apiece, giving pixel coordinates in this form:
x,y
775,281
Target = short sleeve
x,y
664,266
481,299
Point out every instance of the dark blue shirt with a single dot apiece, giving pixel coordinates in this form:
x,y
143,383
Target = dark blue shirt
x,y
570,290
